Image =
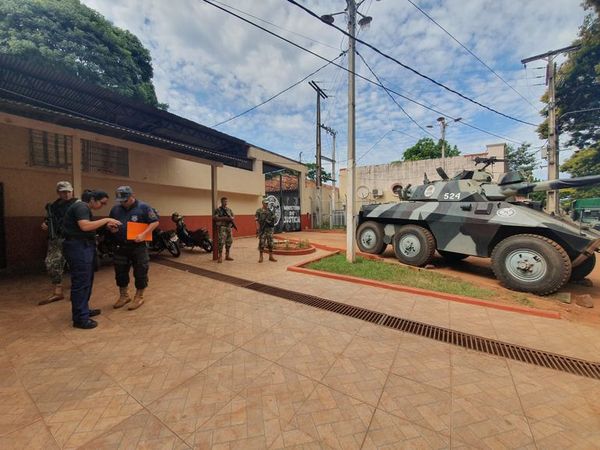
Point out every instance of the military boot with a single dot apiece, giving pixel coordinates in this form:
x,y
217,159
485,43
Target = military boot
x,y
56,295
260,258
220,260
124,298
227,257
271,257
138,300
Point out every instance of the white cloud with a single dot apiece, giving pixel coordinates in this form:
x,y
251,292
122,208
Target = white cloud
x,y
210,66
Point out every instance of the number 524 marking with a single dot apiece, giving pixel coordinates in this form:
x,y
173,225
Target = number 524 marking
x,y
452,196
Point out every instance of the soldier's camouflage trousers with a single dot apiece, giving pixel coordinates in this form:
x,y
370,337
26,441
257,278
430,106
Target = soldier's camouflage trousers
x,y
265,240
55,261
225,238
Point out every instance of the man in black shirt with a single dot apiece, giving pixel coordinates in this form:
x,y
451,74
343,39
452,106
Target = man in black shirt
x,y
55,261
131,252
79,248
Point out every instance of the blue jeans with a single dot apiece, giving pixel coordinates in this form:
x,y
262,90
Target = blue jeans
x,y
80,254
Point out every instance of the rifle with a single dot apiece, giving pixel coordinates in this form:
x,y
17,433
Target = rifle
x,y
227,214
50,222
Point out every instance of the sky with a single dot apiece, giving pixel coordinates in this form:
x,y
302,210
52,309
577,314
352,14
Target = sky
x,y
210,66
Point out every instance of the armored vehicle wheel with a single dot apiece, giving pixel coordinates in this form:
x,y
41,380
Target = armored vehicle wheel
x,y
531,263
370,238
583,269
414,245
452,256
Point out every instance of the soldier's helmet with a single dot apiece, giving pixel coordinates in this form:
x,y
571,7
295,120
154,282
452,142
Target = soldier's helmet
x,y
176,216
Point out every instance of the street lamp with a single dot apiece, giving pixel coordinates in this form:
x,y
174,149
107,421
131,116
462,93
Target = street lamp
x,y
443,124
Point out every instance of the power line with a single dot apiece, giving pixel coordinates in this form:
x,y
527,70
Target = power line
x,y
278,94
471,53
392,97
273,25
411,69
368,80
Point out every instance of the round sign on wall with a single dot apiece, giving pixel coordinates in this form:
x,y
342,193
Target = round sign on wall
x,y
275,207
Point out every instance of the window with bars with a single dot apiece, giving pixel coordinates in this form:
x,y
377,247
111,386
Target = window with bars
x,y
106,159
50,149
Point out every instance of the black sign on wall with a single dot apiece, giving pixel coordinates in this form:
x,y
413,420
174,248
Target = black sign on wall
x,y
283,194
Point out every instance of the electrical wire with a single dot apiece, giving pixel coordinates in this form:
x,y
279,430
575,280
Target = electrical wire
x,y
278,94
472,54
273,25
462,122
411,69
393,99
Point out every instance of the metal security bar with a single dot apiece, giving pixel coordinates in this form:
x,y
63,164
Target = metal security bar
x,y
50,150
105,159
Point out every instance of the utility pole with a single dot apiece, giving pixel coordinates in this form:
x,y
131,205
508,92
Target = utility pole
x,y
552,197
350,228
318,183
333,134
351,12
443,124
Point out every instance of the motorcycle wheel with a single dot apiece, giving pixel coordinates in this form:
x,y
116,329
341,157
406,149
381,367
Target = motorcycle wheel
x,y
173,248
207,245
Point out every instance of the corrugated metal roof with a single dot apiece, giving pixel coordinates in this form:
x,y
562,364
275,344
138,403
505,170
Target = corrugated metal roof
x,y
30,89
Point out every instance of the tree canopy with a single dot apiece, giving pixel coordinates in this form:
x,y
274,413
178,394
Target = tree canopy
x,y
426,148
311,173
521,158
71,37
578,102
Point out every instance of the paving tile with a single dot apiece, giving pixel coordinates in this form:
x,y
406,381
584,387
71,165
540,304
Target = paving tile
x,y
148,384
329,339
238,369
77,421
189,405
142,430
418,403
376,354
423,360
257,416
16,408
356,378
308,360
328,417
272,344
475,424
388,431
199,350
31,437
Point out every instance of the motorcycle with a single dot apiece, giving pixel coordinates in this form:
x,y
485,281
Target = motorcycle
x,y
161,240
199,238
165,240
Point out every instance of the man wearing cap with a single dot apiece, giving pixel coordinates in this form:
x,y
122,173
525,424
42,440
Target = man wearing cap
x,y
55,261
265,224
131,252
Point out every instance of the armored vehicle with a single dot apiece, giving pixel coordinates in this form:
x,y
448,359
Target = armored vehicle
x,y
470,215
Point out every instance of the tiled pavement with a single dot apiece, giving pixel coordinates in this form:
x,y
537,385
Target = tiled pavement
x,y
209,365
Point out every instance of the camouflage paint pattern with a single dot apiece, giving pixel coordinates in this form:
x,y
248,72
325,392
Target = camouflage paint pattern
x,y
55,261
463,219
266,219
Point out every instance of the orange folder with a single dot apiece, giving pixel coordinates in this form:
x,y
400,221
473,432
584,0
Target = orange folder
x,y
135,228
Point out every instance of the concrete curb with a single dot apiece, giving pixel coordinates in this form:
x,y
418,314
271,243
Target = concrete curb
x,y
298,268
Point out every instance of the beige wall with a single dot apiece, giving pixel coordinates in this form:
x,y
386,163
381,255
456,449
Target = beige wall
x,y
382,177
167,182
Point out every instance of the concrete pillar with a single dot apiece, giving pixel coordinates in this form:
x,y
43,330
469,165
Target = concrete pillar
x,y
215,201
76,165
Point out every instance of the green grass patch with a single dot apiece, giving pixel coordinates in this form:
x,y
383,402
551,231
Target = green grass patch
x,y
397,274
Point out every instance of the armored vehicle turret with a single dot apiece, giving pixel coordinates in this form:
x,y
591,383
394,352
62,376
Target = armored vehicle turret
x,y
470,215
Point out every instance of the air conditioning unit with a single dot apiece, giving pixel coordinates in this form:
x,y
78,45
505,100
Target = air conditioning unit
x,y
377,193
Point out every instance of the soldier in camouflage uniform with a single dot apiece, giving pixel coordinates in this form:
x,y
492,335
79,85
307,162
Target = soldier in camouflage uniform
x,y
225,222
55,262
265,220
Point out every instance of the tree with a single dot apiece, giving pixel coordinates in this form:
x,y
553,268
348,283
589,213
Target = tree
x,y
426,148
521,158
71,37
582,163
311,173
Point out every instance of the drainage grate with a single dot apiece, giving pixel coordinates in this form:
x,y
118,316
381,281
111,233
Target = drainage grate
x,y
469,341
